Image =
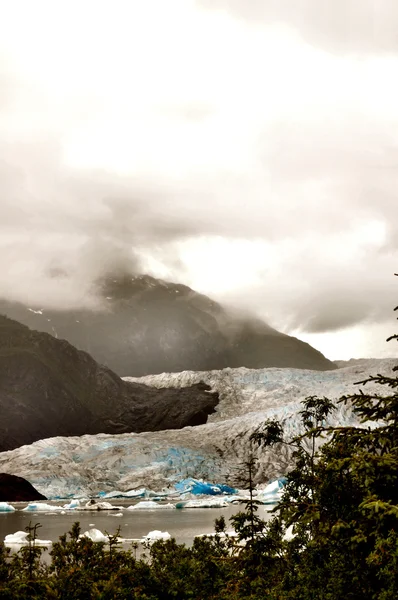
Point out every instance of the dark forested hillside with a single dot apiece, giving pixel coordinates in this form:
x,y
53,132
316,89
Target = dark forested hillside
x,y
49,388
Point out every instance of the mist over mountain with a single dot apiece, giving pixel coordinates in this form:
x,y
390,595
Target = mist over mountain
x,y
143,325
49,388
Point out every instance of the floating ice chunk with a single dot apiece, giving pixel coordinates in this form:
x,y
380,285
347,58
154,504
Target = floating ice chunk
x,y
222,534
196,486
152,536
205,503
72,504
119,514
141,493
92,505
272,493
95,535
149,505
20,538
289,535
42,507
236,499
274,486
122,540
5,507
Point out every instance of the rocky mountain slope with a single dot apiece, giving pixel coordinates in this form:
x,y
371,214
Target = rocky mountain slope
x,y
48,388
17,489
151,326
214,451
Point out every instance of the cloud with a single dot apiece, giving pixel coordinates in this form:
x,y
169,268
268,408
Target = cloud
x,y
341,26
256,165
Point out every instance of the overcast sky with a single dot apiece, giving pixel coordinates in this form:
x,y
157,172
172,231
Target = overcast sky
x,y
247,148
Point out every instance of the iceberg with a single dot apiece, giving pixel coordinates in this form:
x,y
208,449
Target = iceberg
x,y
42,507
150,505
93,505
236,499
152,536
20,538
72,505
5,507
94,535
204,503
272,493
227,534
141,493
289,535
196,487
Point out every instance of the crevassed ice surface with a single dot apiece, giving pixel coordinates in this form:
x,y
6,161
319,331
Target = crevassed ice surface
x,y
215,452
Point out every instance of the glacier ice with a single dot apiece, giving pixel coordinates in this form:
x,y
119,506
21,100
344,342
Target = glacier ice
x,y
72,504
227,534
195,486
289,535
20,538
141,493
92,505
5,507
204,503
215,452
150,505
94,535
272,493
154,535
42,507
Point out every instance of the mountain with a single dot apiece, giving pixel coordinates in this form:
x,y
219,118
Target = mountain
x,y
353,362
49,388
17,489
152,326
214,451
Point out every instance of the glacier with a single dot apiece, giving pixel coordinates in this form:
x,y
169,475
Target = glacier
x,y
131,464
5,507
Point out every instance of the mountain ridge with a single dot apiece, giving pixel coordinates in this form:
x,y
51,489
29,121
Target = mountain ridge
x,y
48,387
150,326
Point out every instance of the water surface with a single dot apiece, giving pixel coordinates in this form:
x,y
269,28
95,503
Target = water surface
x,y
182,524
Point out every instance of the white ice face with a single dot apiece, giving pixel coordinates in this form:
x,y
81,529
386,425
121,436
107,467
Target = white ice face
x,y
215,452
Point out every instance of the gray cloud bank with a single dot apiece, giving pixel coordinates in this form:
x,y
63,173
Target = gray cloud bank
x,y
341,26
317,190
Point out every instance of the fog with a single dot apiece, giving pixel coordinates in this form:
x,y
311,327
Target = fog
x,y
248,150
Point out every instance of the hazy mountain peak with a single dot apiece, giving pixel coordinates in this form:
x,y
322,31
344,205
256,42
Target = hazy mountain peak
x,y
148,325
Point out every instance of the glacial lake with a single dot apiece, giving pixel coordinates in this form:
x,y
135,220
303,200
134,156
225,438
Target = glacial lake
x,y
182,524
